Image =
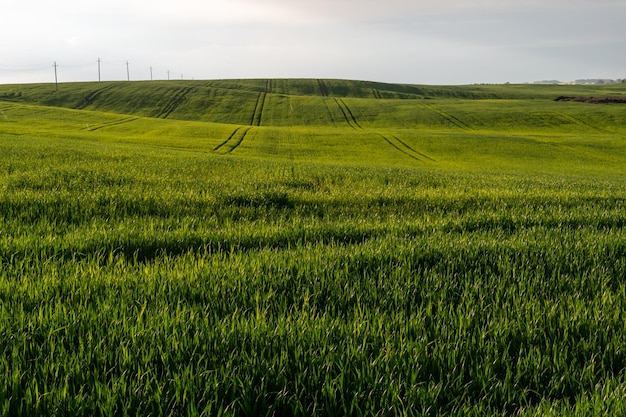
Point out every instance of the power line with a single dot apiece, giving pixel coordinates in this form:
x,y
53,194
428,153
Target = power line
x,y
73,67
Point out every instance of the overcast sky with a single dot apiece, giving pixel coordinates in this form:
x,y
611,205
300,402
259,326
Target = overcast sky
x,y
409,41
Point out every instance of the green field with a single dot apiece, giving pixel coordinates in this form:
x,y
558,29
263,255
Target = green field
x,y
311,247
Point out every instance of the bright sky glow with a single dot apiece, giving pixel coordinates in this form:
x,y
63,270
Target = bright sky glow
x,y
412,41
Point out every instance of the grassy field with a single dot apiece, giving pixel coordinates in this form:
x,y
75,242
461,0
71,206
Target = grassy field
x,y
311,247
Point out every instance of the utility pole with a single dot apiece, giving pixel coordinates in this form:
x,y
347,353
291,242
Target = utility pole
x,y
127,71
99,61
168,75
150,73
56,80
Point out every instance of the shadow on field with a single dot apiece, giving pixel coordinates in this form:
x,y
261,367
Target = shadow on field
x,y
147,249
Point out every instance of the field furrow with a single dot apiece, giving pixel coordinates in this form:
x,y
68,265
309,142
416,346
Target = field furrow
x,y
257,114
344,114
95,127
349,111
242,136
404,151
233,141
347,114
329,112
92,97
447,116
405,145
322,87
577,121
232,135
173,104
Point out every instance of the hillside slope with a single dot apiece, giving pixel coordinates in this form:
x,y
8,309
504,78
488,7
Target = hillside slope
x,y
319,253
494,128
286,102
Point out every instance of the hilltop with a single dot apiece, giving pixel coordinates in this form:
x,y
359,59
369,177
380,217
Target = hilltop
x,y
236,101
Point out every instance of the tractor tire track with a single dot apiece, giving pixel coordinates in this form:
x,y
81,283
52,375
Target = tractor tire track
x,y
257,115
423,155
331,116
174,103
347,114
268,86
447,116
376,94
577,121
323,88
109,124
217,148
90,98
404,148
351,114
233,141
398,148
241,138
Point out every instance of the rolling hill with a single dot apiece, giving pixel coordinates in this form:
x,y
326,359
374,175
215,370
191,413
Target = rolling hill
x,y
311,247
290,101
479,127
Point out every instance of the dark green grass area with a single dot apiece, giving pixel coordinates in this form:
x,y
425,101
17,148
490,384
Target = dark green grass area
x,y
455,257
307,101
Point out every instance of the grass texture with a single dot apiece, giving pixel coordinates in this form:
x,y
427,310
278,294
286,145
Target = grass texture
x,y
310,247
